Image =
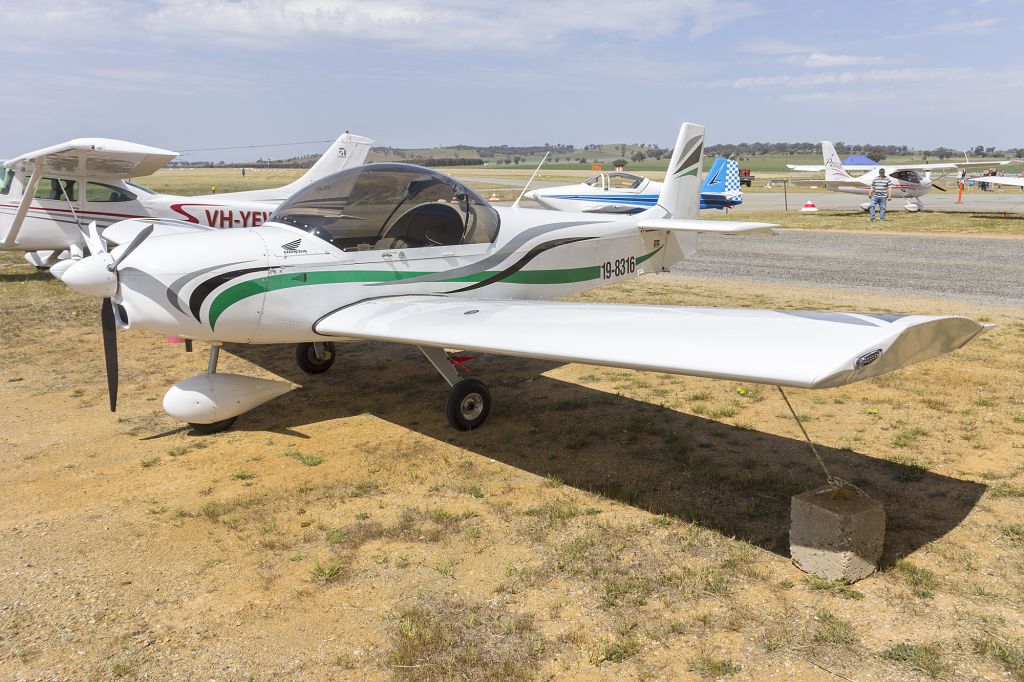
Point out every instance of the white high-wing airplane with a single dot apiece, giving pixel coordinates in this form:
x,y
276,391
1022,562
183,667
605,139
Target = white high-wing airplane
x,y
46,195
1000,180
404,254
908,183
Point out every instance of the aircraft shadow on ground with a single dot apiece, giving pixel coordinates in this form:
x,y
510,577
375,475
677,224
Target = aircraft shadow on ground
x,y
735,480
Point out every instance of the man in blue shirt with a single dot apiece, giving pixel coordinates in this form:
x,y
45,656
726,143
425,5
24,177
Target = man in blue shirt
x,y
880,193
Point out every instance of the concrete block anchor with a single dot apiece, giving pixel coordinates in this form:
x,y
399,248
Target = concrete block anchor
x,y
836,534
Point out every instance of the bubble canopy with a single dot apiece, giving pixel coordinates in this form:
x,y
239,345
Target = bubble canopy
x,y
390,206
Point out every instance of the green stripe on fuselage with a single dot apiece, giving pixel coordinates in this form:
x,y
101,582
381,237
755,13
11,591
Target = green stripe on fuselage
x,y
254,287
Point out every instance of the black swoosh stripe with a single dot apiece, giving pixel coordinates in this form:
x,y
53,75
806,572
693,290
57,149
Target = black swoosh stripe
x,y
201,292
175,287
693,157
518,265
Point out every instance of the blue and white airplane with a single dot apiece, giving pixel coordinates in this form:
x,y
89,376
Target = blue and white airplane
x,y
627,194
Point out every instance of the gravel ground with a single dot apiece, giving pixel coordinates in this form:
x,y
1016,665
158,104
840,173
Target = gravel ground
x,y
980,269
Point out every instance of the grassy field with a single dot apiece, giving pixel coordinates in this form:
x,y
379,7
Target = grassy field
x,y
604,524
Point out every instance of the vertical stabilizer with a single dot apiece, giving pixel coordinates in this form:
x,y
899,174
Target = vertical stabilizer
x,y
680,195
348,151
714,179
833,165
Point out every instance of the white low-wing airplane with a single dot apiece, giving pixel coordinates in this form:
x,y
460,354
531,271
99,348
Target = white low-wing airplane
x,y
404,254
47,195
908,183
626,193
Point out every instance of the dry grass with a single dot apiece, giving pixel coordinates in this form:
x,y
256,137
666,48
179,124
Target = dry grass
x,y
445,638
599,526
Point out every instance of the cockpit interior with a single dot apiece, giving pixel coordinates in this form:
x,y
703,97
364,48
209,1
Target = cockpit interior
x,y
390,206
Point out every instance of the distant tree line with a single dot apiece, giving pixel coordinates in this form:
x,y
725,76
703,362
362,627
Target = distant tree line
x,y
878,152
637,153
448,161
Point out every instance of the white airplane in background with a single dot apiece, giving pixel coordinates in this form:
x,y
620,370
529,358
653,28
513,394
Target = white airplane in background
x,y
46,196
908,183
404,254
626,193
1000,180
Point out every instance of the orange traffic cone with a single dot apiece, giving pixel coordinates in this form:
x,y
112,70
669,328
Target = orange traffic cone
x,y
493,197
809,207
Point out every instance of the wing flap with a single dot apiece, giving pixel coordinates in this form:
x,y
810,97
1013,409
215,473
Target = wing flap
x,y
94,156
801,349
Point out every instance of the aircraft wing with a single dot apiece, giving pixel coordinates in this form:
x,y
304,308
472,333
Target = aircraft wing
x,y
94,156
788,348
1000,180
831,184
954,165
821,169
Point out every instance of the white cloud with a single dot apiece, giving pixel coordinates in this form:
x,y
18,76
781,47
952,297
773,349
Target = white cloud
x,y
979,27
821,59
455,25
776,47
871,76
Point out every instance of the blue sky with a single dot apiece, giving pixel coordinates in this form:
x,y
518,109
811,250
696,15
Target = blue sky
x,y
208,73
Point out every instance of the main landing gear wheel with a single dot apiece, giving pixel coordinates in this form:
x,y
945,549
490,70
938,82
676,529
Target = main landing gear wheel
x,y
306,357
469,403
215,427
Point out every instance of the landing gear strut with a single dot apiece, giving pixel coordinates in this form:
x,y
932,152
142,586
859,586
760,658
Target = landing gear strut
x,y
315,358
469,401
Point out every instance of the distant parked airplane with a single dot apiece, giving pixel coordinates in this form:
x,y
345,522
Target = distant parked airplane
x,y
908,183
627,193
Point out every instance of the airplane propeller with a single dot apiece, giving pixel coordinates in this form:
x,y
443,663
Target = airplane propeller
x,y
110,350
97,275
941,189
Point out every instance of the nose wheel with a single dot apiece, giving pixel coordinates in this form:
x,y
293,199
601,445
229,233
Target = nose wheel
x,y
469,403
315,358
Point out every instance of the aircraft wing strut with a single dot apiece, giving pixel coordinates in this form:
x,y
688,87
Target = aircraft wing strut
x,y
787,348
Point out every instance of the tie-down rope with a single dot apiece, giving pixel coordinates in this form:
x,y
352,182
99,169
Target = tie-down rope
x,y
834,482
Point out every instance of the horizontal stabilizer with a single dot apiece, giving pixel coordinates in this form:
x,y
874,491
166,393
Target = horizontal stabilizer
x,y
715,226
94,157
788,348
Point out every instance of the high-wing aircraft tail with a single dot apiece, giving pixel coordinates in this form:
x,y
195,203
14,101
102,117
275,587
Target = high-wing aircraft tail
x,y
680,195
833,164
348,151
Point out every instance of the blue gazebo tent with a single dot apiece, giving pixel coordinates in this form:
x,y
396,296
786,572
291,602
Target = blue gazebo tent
x,y
859,160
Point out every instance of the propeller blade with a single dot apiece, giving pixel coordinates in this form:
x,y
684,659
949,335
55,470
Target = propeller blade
x,y
134,244
93,240
941,189
110,349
